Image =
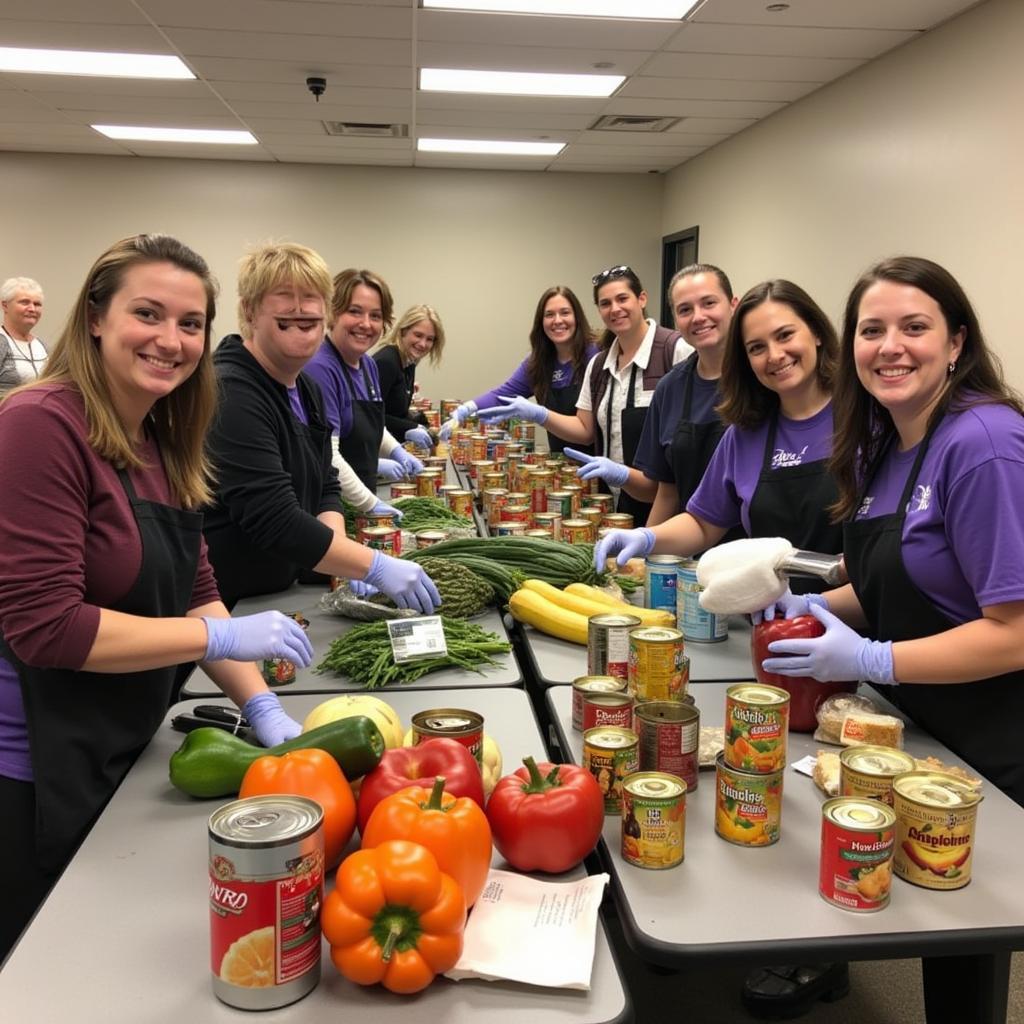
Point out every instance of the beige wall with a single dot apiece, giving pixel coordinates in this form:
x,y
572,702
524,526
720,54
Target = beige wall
x,y
919,152
481,246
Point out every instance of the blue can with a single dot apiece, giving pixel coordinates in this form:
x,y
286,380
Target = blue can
x,y
660,582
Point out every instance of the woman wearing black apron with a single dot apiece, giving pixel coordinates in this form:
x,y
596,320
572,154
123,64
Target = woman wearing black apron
x,y
361,309
561,345
618,384
105,586
769,473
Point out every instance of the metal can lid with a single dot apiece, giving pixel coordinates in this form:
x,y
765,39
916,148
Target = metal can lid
x,y
859,813
265,821
431,535
668,710
610,736
656,634
576,523
659,785
757,693
935,789
612,699
598,684
664,560
448,719
877,760
614,619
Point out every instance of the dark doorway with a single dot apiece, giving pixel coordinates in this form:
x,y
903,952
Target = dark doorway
x,y
677,251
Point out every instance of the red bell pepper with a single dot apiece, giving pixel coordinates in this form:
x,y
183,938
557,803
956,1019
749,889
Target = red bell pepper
x,y
546,817
420,765
764,633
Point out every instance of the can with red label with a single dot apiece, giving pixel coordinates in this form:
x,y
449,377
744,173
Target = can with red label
x,y
428,483
858,839
461,503
365,519
266,891
383,538
478,450
593,515
467,727
516,514
508,529
607,709
669,734
540,484
403,489
281,671
577,531
608,644
549,521
584,686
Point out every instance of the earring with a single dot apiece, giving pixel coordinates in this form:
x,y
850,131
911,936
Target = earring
x,y
951,369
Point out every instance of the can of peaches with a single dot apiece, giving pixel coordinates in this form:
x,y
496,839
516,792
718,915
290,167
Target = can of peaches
x,y
756,727
858,836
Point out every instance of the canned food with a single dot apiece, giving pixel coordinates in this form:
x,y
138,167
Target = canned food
x,y
435,461
461,503
669,733
428,483
477,468
607,709
577,531
281,671
756,727
658,668
516,514
539,533
522,430
451,723
617,520
478,448
857,841
427,538
494,500
493,478
610,754
698,626
266,890
519,497
509,529
540,484
605,502
448,407
433,418
365,519
660,573
575,492
515,450
497,449
608,644
868,771
382,538
585,685
445,489
593,515
748,806
549,521
403,489
462,451
560,502
936,815
653,820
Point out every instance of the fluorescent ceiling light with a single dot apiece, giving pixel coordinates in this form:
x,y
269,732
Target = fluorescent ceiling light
x,y
87,62
490,146
517,83
669,10
224,137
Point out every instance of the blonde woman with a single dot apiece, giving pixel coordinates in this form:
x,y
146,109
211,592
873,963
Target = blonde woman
x,y
21,300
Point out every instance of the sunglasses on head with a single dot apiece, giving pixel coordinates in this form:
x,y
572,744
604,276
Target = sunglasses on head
x,y
612,274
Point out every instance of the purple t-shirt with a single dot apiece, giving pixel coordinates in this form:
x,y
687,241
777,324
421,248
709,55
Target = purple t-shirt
x,y
664,414
295,401
518,385
963,538
724,494
327,369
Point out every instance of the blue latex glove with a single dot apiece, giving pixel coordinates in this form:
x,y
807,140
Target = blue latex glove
x,y
840,654
361,588
461,414
514,408
269,720
382,508
404,582
254,637
624,544
789,606
390,469
615,474
420,436
408,462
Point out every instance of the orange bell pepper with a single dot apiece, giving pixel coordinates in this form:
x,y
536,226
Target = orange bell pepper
x,y
394,917
314,774
454,829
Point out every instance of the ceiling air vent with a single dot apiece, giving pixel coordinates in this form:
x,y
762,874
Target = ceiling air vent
x,y
633,123
366,129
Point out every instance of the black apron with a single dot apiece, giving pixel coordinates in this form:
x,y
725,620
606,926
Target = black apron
x,y
563,401
692,444
792,502
85,729
978,721
361,448
632,421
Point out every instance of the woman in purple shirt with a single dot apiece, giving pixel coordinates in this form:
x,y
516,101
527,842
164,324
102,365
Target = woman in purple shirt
x,y
561,345
930,463
768,473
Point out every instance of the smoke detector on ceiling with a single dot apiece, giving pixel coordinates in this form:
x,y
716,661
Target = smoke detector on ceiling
x,y
366,129
633,123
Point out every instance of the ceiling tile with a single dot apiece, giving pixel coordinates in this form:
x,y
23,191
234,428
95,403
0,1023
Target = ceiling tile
x,y
100,12
83,34
278,46
714,89
524,121
760,41
288,72
903,14
497,57
696,108
761,69
296,91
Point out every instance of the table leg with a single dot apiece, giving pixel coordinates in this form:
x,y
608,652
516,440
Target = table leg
x,y
966,989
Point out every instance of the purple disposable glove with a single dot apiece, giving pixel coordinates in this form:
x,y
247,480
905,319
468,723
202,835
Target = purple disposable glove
x,y
408,462
624,544
269,720
420,436
615,474
382,508
840,654
390,469
404,582
361,588
789,606
254,637
514,408
461,414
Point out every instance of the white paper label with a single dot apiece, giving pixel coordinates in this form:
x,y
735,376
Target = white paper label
x,y
413,639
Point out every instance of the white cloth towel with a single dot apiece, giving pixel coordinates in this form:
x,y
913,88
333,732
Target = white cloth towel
x,y
743,576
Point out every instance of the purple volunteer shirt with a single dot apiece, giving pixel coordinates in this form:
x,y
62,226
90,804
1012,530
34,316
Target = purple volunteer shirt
x,y
724,494
518,385
327,369
963,538
295,401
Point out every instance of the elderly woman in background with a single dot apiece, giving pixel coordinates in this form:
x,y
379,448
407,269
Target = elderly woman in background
x,y
418,334
22,352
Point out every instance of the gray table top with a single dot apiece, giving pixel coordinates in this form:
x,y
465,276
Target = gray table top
x,y
124,936
727,901
325,627
558,662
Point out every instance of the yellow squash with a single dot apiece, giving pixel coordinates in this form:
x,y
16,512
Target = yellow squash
x,y
530,607
603,604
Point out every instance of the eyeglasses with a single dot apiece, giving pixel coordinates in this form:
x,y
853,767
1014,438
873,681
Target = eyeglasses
x,y
612,274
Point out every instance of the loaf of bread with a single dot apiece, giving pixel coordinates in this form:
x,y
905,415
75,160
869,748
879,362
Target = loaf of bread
x,y
826,772
880,730
834,709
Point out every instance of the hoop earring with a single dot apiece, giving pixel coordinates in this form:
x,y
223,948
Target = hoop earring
x,y
951,369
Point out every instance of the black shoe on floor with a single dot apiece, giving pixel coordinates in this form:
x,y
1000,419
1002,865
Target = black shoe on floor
x,y
782,993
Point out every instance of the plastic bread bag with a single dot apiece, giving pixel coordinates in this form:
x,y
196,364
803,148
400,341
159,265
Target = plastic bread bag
x,y
834,709
341,601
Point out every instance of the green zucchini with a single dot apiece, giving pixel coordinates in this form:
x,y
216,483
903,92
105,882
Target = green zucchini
x,y
212,762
